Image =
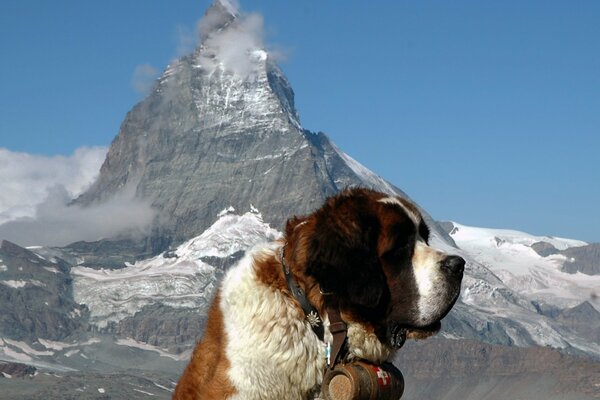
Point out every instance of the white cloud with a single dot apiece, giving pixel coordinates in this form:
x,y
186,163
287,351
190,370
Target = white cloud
x,y
26,178
232,39
36,194
238,46
143,78
57,223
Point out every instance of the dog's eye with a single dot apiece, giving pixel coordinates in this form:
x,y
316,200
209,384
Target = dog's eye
x,y
401,249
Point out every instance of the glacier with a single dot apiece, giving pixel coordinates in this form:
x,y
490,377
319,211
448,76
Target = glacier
x,y
508,254
177,278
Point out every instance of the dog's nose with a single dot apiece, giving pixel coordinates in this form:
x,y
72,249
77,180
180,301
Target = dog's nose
x,y
454,264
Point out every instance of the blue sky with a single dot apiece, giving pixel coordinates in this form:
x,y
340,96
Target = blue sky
x,y
486,113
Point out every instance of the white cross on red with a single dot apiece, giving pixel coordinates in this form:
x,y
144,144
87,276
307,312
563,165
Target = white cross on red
x,y
383,377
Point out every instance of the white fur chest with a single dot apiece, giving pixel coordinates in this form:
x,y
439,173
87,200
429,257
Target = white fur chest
x,y
273,352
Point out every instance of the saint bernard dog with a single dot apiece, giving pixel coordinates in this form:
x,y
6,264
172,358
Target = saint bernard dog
x,y
368,250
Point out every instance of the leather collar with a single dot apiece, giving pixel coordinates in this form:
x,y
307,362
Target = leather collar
x,y
337,326
311,314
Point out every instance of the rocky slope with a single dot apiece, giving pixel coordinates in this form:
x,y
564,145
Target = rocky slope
x,y
461,369
583,259
36,296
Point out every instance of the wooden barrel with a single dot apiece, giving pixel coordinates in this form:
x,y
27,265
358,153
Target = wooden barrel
x,y
363,381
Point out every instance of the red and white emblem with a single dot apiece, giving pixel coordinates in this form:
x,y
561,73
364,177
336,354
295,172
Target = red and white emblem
x,y
383,377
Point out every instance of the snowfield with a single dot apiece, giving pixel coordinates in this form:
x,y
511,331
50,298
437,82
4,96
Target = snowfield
x,y
508,254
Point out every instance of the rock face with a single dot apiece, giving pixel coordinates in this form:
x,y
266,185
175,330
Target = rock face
x,y
583,319
163,326
221,130
544,249
36,296
585,259
15,370
108,253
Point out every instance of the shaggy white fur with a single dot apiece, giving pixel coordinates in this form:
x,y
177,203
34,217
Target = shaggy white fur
x,y
274,353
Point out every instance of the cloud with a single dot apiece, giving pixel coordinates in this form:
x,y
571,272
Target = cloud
x,y
231,39
35,197
237,48
57,223
144,77
237,45
26,178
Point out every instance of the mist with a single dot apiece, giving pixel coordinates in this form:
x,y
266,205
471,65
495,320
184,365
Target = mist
x,y
37,192
26,178
57,223
144,79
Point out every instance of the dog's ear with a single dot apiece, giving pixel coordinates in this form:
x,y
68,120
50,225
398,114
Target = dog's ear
x,y
292,224
343,252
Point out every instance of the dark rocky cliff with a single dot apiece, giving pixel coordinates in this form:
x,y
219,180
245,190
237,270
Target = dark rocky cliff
x,y
36,296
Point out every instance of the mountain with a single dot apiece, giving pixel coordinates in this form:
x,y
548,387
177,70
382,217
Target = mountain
x,y
471,370
514,296
220,129
510,294
513,258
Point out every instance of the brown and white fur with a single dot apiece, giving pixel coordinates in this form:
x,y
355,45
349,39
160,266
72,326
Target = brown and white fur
x,y
367,248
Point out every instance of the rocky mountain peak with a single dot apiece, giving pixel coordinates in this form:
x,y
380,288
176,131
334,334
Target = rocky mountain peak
x,y
220,129
217,17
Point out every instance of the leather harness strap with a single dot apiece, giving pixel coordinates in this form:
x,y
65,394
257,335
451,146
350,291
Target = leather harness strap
x,y
337,326
338,329
310,312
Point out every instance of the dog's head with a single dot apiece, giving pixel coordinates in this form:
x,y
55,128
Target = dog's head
x,y
371,250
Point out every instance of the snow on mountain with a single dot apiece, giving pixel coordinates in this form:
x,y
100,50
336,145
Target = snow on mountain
x,y
465,234
178,278
112,295
508,254
507,285
19,351
230,234
237,75
365,174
